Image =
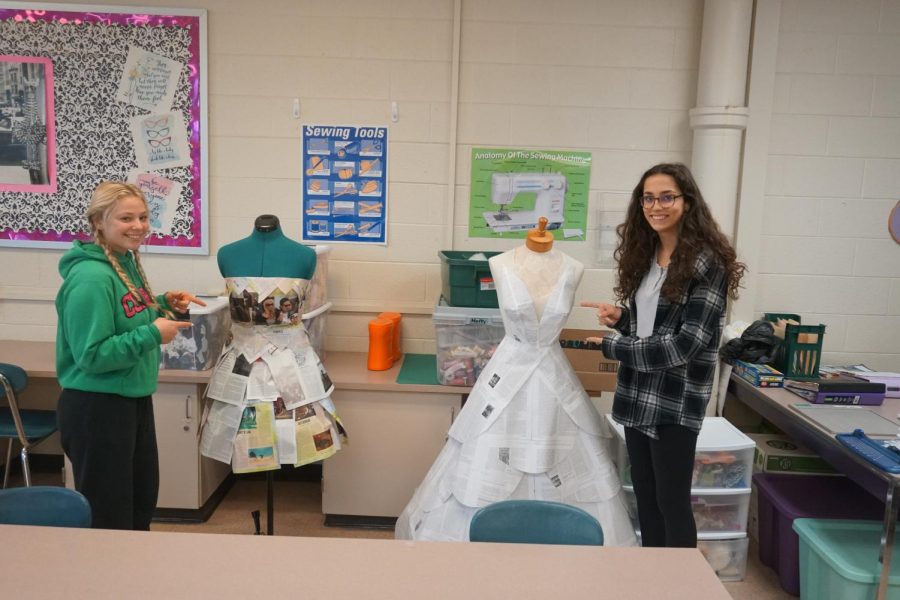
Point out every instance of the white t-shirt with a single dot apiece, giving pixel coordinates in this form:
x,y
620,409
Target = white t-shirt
x,y
646,299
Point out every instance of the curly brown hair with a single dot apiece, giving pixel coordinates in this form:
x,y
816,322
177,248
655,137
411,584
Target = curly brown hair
x,y
698,232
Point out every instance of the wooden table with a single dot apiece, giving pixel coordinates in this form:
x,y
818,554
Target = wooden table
x,y
367,482
190,485
41,562
775,404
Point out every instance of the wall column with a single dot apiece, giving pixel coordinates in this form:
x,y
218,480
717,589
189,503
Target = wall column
x,y
721,114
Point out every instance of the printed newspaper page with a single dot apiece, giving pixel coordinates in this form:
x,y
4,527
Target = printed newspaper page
x,y
316,438
255,443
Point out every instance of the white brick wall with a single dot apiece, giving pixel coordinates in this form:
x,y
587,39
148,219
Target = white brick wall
x,y
615,78
834,176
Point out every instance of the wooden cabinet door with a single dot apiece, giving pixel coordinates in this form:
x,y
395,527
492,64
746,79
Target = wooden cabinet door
x,y
175,408
394,439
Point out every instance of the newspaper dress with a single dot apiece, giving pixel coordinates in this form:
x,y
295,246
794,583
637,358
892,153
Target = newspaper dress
x,y
527,430
270,394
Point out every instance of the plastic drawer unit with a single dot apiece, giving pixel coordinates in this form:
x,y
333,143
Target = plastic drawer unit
x,y
724,457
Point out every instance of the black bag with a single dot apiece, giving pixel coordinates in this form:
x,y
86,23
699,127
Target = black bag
x,y
758,344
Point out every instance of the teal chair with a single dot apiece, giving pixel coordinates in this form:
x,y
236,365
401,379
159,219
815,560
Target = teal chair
x,y
535,522
49,506
28,427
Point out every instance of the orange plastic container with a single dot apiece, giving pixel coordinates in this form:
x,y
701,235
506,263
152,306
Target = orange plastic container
x,y
394,317
381,341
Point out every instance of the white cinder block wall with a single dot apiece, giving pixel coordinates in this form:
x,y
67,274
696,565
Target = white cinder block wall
x,y
834,176
614,77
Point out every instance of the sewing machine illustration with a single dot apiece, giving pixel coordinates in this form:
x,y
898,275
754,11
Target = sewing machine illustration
x,y
549,190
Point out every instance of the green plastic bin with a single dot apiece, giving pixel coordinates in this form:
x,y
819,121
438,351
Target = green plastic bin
x,y
466,282
839,560
798,359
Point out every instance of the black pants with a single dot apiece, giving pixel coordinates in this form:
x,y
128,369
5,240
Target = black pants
x,y
661,471
111,441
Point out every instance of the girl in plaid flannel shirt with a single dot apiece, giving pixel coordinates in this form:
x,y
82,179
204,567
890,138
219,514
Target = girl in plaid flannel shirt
x,y
676,270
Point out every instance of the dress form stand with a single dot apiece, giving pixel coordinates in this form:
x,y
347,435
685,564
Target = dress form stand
x,y
528,429
267,252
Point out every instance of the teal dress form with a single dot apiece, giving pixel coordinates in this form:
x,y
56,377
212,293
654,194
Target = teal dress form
x,y
284,378
267,252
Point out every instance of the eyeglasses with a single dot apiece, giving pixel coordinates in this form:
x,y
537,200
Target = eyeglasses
x,y
665,200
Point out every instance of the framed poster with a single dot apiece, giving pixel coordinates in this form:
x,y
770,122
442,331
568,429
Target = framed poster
x,y
27,125
512,188
124,95
344,184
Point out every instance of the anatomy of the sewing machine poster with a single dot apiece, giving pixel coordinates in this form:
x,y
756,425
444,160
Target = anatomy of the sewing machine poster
x,y
148,80
345,184
160,141
512,189
162,198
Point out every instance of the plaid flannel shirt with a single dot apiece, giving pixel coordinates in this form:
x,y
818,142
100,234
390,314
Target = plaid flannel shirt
x,y
667,378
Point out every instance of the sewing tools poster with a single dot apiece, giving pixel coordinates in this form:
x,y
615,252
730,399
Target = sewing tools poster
x,y
511,189
344,184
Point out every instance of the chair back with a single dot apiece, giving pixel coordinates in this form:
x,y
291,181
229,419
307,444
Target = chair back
x,y
13,380
535,522
50,506
28,426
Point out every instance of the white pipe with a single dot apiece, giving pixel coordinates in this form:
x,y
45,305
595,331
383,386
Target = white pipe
x,y
720,117
761,92
450,210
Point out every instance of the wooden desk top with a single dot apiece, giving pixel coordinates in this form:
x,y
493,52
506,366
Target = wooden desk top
x,y
775,404
347,369
782,400
41,562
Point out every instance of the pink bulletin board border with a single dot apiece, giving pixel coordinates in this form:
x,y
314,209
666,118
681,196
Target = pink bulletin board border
x,y
50,123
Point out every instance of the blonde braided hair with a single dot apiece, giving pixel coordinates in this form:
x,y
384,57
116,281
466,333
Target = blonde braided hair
x,y
104,199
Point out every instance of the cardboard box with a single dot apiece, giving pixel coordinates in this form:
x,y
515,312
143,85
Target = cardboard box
x,y
759,375
596,372
780,454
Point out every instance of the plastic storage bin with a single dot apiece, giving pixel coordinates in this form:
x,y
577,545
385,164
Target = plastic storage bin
x,y
724,457
197,348
798,357
839,560
720,512
726,555
784,498
317,295
466,339
466,282
314,321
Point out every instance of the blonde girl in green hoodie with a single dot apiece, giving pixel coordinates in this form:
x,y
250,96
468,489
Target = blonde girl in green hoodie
x,y
110,327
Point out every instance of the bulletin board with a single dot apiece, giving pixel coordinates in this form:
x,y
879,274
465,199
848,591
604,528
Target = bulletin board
x,y
102,93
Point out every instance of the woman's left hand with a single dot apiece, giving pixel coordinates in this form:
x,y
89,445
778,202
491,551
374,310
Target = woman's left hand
x,y
180,301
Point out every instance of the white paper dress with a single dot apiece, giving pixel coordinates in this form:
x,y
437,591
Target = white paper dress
x,y
527,431
271,394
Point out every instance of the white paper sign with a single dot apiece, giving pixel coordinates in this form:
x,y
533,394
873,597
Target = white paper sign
x,y
160,141
148,80
162,198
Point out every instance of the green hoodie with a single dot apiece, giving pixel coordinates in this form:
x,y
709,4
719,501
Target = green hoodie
x,y
105,340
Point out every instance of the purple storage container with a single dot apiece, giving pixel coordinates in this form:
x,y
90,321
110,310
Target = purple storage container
x,y
783,498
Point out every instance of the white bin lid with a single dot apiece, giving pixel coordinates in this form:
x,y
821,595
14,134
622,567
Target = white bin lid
x,y
716,434
464,315
213,304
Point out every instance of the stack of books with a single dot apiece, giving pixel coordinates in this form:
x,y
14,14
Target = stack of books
x,y
838,390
